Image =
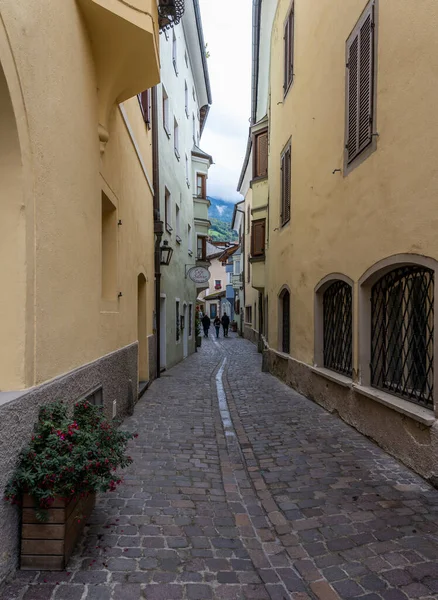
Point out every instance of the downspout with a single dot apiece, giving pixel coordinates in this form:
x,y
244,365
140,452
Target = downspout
x,y
158,227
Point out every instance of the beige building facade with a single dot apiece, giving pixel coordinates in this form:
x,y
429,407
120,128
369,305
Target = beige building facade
x,y
343,178
77,235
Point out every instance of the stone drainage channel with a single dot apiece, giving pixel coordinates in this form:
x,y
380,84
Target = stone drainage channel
x,y
272,555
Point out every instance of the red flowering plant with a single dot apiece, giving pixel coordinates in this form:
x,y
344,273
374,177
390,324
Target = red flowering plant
x,y
69,457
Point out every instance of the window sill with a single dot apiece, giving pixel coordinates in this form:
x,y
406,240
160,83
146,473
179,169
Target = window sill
x,y
281,354
168,228
257,179
167,131
413,411
178,239
188,183
187,112
286,91
175,67
177,154
332,376
256,259
190,252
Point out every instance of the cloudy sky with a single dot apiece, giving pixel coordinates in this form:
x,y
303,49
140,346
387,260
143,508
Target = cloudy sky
x,y
227,31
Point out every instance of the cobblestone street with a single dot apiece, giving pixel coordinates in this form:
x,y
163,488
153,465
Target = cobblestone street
x,y
243,489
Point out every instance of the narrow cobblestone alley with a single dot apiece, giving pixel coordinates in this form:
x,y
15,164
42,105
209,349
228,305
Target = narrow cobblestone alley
x,y
282,500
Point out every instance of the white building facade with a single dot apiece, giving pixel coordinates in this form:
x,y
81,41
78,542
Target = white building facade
x,y
183,102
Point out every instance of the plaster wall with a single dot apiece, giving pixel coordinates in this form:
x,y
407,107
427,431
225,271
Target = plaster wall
x,y
251,294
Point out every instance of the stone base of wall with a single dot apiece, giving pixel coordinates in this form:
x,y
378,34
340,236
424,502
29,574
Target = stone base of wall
x,y
152,345
116,373
413,443
250,334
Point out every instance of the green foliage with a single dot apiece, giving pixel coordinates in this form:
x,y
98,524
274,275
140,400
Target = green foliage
x,y
69,456
197,324
221,231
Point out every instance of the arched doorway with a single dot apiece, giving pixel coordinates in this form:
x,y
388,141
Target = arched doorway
x,y
12,248
143,368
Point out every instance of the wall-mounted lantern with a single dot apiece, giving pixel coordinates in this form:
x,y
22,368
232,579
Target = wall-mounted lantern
x,y
165,253
170,13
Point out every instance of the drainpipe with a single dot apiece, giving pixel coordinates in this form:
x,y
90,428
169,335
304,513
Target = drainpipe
x,y
158,227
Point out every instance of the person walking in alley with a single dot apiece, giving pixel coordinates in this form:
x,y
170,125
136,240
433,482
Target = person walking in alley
x,y
217,325
206,324
225,323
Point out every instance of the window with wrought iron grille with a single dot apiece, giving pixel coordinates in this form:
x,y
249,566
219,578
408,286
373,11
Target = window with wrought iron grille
x,y
338,321
402,334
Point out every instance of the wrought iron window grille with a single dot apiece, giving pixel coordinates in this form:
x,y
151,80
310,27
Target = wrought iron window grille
x,y
402,334
170,13
338,321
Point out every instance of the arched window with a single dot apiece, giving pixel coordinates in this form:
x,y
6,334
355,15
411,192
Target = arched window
x,y
285,321
337,327
402,332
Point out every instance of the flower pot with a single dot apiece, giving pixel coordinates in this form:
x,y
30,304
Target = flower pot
x,y
48,546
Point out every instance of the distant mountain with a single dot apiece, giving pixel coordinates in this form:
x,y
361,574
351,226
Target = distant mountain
x,y
220,209
220,214
220,231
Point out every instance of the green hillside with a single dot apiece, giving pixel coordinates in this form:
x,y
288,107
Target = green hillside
x,y
221,231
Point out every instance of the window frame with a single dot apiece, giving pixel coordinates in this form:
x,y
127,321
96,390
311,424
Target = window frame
x,y
168,210
186,99
202,256
189,239
176,138
178,223
362,155
174,52
165,106
284,291
203,177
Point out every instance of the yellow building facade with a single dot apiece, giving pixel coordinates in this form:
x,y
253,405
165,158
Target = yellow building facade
x,y
76,233
348,260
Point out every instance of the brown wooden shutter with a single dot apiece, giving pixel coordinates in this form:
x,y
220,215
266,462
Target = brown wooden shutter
x,y
285,186
288,49
145,103
360,84
261,154
258,238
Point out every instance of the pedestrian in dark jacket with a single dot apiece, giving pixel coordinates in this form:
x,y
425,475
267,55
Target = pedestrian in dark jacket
x,y
217,325
225,324
206,324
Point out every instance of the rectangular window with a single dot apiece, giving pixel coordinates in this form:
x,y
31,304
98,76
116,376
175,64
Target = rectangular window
x,y
248,270
166,112
186,58
186,98
177,223
176,138
190,239
190,319
236,267
187,172
337,330
168,209
285,185
217,284
201,181
109,249
248,219
95,397
174,52
289,50
248,315
261,154
177,323
258,238
202,248
360,84
144,100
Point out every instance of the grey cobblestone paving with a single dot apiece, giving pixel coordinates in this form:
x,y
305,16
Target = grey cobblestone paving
x,y
282,501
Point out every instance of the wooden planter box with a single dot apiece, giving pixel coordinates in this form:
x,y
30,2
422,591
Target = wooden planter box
x,y
48,546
